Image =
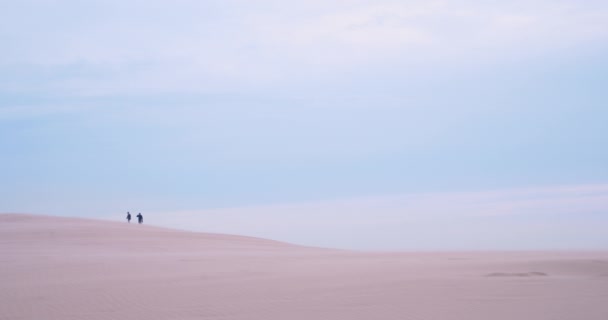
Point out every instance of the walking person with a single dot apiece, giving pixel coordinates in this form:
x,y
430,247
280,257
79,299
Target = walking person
x,y
140,218
128,217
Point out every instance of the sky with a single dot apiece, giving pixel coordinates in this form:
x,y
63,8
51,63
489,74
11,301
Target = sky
x,y
418,125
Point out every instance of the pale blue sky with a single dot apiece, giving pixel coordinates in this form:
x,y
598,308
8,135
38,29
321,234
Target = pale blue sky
x,y
168,107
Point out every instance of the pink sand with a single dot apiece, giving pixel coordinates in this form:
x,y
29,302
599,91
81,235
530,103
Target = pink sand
x,y
62,268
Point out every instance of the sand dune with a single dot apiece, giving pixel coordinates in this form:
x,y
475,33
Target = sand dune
x,y
63,268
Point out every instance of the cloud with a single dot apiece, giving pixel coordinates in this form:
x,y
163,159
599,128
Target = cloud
x,y
212,46
14,112
524,218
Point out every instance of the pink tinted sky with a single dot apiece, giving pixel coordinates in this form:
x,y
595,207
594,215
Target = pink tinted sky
x,y
569,217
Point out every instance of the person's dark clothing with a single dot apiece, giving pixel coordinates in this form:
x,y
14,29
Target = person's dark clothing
x,y
128,217
140,218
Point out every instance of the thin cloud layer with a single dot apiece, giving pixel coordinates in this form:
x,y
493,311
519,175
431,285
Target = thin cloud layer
x,y
568,217
184,46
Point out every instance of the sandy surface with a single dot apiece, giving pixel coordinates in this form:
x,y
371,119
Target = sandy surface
x,y
60,268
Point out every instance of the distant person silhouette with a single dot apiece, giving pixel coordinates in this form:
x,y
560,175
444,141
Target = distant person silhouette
x,y
140,218
128,217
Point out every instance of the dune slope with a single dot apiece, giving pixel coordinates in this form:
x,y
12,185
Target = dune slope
x,y
63,268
